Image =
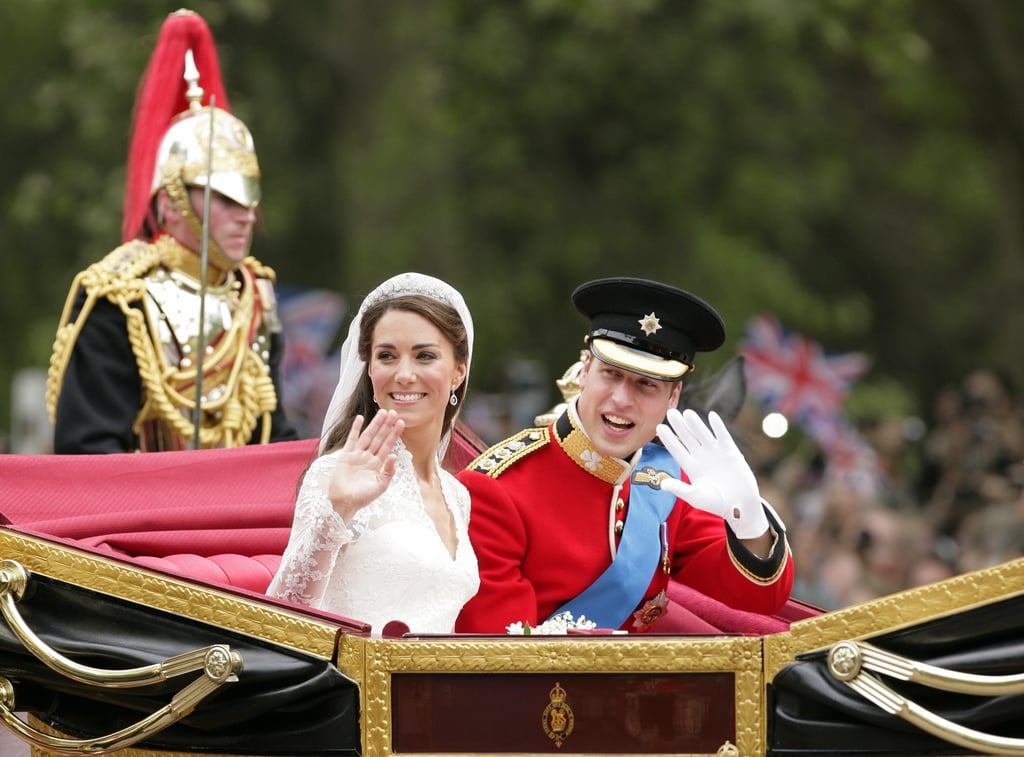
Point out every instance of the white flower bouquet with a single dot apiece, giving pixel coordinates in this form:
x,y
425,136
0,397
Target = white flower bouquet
x,y
556,625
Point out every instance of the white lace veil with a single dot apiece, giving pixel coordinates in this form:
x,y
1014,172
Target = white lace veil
x,y
353,368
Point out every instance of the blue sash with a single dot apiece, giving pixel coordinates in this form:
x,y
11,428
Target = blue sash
x,y
615,594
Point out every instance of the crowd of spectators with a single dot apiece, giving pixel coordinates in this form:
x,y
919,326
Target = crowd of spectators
x,y
950,499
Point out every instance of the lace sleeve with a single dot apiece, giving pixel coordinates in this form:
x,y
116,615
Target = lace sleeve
x,y
317,534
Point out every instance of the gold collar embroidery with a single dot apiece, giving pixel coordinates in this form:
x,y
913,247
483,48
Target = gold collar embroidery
x,y
577,445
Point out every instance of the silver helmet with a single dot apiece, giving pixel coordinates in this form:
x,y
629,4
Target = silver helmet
x,y
209,146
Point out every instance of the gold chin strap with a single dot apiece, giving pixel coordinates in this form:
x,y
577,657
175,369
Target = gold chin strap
x,y
178,193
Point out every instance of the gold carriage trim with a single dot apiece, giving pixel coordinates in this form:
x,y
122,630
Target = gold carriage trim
x,y
498,458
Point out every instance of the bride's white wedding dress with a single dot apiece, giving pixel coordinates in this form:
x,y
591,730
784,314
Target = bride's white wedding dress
x,y
389,563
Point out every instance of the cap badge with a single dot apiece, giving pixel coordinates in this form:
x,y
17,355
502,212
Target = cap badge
x,y
649,324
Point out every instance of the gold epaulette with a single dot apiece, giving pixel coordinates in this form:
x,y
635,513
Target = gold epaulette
x,y
498,458
115,277
261,270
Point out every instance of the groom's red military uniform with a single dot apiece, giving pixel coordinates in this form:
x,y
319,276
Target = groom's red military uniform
x,y
545,511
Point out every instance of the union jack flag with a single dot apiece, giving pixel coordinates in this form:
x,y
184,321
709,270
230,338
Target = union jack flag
x,y
792,375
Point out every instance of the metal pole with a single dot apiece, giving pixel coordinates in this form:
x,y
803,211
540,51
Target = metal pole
x,y
204,261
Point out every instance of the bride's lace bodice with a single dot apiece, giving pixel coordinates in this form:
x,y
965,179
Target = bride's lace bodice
x,y
388,563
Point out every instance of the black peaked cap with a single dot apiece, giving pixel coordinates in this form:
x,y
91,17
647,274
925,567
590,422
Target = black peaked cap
x,y
647,327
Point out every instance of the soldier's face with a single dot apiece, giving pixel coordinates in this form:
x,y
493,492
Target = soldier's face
x,y
230,223
621,410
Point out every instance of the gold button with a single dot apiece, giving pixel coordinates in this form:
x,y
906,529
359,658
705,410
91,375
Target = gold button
x,y
619,505
619,526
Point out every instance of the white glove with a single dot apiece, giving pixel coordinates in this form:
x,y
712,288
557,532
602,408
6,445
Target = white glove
x,y
721,481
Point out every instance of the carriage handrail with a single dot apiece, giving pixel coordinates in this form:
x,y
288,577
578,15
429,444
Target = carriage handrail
x,y
219,665
13,581
181,704
848,661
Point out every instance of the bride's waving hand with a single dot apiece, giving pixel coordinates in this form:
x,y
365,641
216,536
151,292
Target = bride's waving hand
x,y
366,463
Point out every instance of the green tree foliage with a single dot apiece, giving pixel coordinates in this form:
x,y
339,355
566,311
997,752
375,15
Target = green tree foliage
x,y
853,166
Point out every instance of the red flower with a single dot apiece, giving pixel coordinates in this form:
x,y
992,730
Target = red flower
x,y
651,610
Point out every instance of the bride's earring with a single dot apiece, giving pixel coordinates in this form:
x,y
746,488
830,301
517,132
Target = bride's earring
x,y
454,400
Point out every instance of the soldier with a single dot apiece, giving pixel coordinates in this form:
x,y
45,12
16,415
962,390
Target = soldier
x,y
131,353
591,517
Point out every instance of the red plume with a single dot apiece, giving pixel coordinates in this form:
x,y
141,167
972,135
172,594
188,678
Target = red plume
x,y
159,98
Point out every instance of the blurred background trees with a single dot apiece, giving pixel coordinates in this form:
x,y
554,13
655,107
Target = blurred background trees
x,y
851,166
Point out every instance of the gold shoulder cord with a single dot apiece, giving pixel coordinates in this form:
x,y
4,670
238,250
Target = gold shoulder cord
x,y
117,277
260,270
249,394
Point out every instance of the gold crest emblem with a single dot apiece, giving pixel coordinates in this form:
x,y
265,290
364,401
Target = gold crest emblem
x,y
558,719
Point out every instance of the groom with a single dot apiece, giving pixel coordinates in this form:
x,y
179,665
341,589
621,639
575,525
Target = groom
x,y
590,516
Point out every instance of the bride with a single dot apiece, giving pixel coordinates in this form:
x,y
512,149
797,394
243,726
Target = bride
x,y
380,531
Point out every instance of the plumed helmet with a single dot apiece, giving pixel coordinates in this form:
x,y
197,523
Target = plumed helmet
x,y
175,143
647,327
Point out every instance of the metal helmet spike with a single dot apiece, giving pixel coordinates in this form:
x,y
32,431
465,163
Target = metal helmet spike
x,y
186,152
194,93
